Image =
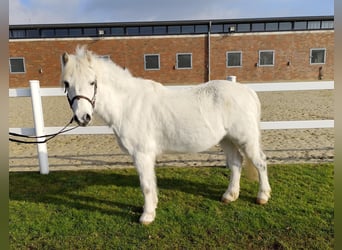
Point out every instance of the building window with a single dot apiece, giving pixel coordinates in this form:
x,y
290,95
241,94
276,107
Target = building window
x,y
47,33
216,28
230,28
75,32
188,29
174,29
266,58
300,25
34,33
243,27
18,33
132,31
152,62
314,25
327,24
285,26
17,65
159,30
258,26
234,59
62,32
271,26
201,28
90,32
317,56
184,61
117,31
146,30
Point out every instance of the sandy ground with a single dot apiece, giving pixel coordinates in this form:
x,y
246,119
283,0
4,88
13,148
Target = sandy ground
x,y
73,152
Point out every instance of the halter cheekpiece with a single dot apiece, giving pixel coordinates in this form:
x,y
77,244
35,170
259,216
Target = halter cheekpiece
x,y
78,97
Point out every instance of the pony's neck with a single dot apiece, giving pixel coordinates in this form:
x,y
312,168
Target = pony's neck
x,y
115,86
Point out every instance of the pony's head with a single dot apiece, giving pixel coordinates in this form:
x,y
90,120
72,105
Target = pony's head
x,y
79,79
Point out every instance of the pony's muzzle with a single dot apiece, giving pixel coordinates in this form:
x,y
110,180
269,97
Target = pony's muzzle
x,y
84,120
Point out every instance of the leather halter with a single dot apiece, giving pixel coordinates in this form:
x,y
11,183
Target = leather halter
x,y
78,97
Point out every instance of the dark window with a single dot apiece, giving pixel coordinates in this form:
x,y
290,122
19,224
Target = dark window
x,y
174,29
105,30
186,29
18,34
234,59
229,27
258,27
146,30
243,27
75,32
132,31
327,24
117,31
300,25
47,32
217,28
317,56
32,33
184,61
202,28
314,25
62,32
285,26
266,58
17,65
90,32
271,26
159,30
151,62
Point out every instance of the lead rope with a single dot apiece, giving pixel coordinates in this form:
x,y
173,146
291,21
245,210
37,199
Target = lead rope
x,y
50,136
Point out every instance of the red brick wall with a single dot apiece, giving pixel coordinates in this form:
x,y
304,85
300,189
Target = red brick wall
x,y
129,53
288,47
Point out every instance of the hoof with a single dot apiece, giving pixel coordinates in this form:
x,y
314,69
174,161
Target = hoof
x,y
225,200
261,201
146,223
230,196
147,218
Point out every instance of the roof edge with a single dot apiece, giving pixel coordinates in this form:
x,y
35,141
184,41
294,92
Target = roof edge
x,y
174,22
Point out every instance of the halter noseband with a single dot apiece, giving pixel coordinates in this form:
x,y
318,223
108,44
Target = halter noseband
x,y
78,97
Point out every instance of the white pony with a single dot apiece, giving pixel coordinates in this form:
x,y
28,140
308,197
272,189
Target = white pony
x,y
149,119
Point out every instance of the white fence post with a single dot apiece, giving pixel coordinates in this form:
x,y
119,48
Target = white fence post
x,y
39,126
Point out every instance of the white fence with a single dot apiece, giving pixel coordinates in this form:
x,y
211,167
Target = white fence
x,y
36,92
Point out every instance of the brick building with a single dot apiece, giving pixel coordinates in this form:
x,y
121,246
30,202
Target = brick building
x,y
182,52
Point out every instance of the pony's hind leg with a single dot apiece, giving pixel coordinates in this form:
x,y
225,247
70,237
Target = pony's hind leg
x,y
256,157
234,162
145,167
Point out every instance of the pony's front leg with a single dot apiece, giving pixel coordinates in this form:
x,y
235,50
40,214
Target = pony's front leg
x,y
145,167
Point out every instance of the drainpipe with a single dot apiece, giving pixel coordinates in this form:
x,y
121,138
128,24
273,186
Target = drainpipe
x,y
209,53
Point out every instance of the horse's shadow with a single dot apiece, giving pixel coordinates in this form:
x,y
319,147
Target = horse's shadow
x,y
65,188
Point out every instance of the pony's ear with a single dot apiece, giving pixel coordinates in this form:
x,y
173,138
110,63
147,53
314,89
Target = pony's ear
x,y
65,58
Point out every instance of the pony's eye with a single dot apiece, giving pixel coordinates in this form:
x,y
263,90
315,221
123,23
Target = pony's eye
x,y
93,83
66,84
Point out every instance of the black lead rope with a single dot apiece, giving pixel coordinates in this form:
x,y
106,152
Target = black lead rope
x,y
48,137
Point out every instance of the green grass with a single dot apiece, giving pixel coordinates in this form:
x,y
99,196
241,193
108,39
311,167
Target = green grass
x,y
101,209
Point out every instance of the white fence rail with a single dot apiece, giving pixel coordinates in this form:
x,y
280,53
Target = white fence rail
x,y
36,92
